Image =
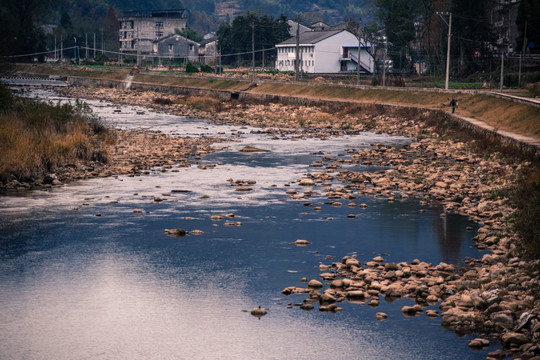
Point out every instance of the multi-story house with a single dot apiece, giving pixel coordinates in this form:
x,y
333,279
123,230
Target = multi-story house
x,y
141,29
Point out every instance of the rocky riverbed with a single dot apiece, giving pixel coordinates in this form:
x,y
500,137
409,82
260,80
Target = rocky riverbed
x,y
496,296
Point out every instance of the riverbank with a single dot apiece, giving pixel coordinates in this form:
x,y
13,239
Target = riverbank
x,y
133,153
504,114
496,296
45,145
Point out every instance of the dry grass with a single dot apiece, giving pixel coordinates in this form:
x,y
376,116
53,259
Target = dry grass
x,y
500,113
38,138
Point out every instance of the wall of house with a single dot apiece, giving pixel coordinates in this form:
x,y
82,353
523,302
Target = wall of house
x,y
324,56
178,46
146,30
329,51
287,55
365,59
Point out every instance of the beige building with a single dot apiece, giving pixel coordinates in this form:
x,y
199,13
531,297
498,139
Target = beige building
x,y
140,29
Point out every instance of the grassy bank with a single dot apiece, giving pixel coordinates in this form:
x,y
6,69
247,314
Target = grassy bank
x,y
37,138
500,113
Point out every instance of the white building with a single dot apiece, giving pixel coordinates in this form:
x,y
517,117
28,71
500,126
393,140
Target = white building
x,y
325,52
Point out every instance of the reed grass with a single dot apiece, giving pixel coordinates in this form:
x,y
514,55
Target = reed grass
x,y
37,138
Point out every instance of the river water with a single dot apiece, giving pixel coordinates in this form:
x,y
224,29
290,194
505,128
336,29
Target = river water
x,y
74,285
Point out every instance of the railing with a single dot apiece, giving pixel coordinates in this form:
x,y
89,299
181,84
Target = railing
x,y
360,62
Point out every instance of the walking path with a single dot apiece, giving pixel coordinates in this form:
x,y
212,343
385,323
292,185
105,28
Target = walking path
x,y
526,140
518,99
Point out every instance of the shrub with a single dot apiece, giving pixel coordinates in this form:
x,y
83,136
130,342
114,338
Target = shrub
x,y
534,89
191,68
162,101
399,82
206,68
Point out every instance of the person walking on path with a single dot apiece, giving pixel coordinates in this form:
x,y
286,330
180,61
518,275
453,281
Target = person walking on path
x,y
453,104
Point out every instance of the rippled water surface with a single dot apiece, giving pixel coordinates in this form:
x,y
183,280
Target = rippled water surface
x,y
74,285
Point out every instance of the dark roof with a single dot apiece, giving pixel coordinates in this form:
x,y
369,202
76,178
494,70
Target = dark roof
x,y
342,26
176,35
311,37
208,41
172,13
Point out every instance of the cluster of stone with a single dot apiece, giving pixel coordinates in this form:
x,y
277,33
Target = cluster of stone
x,y
470,302
132,153
496,296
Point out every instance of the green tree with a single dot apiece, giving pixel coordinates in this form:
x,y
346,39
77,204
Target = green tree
x,y
471,32
235,38
110,30
529,12
189,33
20,33
398,17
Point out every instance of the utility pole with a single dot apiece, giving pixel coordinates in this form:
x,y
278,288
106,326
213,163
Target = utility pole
x,y
139,49
253,51
215,58
522,53
296,62
359,35
86,46
502,70
384,64
449,23
55,53
101,41
75,51
94,45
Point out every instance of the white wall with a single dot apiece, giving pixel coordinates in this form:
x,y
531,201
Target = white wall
x,y
329,51
323,57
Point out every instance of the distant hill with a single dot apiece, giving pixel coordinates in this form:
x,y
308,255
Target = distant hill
x,y
207,15
67,19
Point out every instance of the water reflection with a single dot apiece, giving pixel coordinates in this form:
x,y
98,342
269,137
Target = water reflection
x,y
74,285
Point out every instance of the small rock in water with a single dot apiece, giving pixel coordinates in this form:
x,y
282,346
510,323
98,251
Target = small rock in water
x,y
478,343
301,242
176,232
258,312
252,149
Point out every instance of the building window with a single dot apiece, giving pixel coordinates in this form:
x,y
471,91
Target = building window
x,y
159,34
159,25
171,48
190,47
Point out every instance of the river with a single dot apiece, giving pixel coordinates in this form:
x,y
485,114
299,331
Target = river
x,y
74,285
